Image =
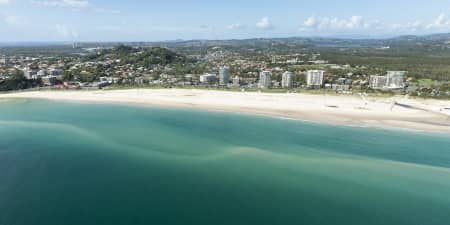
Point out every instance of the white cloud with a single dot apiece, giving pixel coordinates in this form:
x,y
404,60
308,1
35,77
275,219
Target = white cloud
x,y
235,26
105,10
74,4
310,22
357,24
409,27
331,25
440,22
264,23
125,28
5,2
354,22
12,20
62,30
373,25
78,4
66,32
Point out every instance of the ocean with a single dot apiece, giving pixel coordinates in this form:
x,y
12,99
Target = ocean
x,y
81,164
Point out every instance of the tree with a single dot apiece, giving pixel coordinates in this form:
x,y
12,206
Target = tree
x,y
18,81
67,76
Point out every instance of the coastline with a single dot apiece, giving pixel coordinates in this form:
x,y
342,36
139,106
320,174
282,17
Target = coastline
x,y
407,114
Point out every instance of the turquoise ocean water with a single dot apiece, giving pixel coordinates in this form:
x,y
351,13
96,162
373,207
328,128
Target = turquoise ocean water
x,y
82,164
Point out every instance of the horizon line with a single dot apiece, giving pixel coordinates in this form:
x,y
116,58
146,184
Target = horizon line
x,y
339,37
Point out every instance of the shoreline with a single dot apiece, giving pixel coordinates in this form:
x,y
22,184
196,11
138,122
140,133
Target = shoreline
x,y
395,113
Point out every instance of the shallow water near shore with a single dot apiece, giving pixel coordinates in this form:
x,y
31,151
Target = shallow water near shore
x,y
74,163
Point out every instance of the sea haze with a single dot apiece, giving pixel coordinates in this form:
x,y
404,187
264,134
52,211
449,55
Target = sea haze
x,y
72,164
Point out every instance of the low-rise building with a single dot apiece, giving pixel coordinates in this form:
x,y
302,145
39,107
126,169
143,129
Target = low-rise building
x,y
340,87
49,80
208,78
42,73
56,72
236,81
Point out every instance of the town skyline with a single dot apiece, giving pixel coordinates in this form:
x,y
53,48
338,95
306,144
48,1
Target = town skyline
x,y
99,20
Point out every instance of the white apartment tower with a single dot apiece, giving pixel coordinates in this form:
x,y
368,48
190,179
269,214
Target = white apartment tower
x,y
224,75
207,78
377,82
314,78
265,79
287,80
395,79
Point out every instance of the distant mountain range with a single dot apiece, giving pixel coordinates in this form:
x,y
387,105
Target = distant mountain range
x,y
336,41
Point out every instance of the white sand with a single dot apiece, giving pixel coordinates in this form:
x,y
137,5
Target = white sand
x,y
430,115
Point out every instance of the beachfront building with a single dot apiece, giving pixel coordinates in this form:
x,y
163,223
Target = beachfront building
x,y
340,87
314,78
265,79
49,80
224,75
42,73
208,78
56,72
287,80
377,82
236,81
29,73
395,79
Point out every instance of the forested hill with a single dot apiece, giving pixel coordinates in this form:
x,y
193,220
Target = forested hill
x,y
139,56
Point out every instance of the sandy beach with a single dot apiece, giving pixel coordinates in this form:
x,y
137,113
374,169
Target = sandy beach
x,y
394,112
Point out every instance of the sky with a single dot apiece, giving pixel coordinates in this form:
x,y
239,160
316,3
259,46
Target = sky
x,y
160,20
